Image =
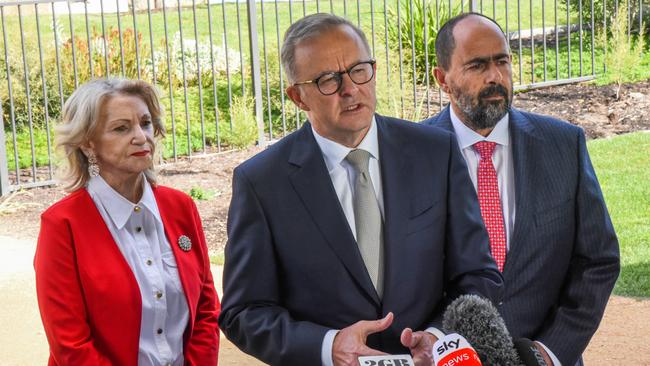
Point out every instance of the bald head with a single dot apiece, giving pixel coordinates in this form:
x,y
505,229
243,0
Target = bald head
x,y
475,70
449,36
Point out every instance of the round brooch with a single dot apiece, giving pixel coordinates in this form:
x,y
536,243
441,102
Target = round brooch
x,y
184,243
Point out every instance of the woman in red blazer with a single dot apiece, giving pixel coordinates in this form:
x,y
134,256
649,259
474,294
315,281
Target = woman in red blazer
x,y
122,270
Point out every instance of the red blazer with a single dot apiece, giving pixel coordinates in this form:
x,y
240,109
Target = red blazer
x,y
89,299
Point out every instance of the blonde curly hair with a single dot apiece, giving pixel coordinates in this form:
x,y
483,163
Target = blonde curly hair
x,y
80,119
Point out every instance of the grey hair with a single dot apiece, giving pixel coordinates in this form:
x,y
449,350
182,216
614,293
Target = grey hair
x,y
80,120
309,27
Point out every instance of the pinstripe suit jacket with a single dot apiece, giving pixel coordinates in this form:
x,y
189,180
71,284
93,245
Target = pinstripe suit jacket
x,y
563,259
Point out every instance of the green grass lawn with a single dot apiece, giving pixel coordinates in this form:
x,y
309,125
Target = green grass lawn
x,y
622,164
217,259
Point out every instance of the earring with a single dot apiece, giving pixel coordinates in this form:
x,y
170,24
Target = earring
x,y
93,167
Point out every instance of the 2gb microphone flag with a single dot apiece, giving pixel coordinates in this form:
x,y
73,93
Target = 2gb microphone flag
x,y
387,360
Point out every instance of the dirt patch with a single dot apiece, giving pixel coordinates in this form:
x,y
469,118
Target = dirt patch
x,y
211,174
594,108
622,338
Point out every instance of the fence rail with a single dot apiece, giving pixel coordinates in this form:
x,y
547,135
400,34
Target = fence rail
x,y
217,64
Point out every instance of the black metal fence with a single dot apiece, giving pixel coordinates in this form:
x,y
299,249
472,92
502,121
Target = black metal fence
x,y
217,65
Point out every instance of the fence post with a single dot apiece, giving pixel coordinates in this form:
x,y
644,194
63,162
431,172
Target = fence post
x,y
4,172
473,6
256,72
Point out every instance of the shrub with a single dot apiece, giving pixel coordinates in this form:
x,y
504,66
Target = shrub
x,y
106,58
23,143
198,61
243,132
199,194
562,60
395,98
611,6
623,55
414,40
178,131
276,92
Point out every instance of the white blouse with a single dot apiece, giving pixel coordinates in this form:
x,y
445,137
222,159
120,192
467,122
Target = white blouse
x,y
139,234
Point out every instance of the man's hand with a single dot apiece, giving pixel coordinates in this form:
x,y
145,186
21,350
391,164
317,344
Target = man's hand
x,y
541,350
420,344
350,343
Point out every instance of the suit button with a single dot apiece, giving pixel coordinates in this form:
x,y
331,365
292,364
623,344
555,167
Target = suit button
x,y
159,331
159,294
500,303
138,229
137,209
149,262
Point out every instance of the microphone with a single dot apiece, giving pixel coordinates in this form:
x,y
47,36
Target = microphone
x,y
478,320
529,353
454,350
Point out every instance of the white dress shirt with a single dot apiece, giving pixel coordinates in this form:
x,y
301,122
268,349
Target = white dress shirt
x,y
343,175
139,234
504,166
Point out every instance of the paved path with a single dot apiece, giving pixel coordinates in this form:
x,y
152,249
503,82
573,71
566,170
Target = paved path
x,y
21,333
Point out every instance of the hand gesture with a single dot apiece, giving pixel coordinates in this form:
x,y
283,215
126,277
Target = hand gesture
x,y
350,342
420,344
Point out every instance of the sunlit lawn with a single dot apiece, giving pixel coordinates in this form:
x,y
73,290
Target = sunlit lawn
x,y
622,164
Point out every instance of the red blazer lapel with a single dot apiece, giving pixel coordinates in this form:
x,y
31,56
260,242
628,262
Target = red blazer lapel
x,y
178,221
111,291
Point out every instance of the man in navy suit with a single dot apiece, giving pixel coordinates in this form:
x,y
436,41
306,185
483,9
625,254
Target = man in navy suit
x,y
549,228
329,259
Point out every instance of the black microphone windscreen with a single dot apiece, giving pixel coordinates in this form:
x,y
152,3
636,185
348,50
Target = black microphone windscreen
x,y
479,322
528,353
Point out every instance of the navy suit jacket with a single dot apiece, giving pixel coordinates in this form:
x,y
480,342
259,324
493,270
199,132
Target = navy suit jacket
x,y
563,259
293,269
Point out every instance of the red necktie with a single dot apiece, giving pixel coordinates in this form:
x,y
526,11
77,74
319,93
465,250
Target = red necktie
x,y
490,202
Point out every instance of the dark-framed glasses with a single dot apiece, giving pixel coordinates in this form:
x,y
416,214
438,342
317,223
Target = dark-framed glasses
x,y
330,82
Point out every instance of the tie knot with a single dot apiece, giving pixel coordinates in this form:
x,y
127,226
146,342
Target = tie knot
x,y
359,159
485,148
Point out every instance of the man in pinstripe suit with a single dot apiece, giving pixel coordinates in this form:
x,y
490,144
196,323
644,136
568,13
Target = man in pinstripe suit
x,y
550,232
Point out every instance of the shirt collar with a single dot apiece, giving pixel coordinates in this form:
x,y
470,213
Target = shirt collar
x,y
120,209
335,153
468,137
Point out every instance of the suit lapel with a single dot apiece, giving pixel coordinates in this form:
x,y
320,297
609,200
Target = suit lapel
x,y
524,148
444,120
104,246
396,170
313,185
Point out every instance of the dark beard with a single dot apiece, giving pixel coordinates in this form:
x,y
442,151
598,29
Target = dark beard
x,y
482,114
